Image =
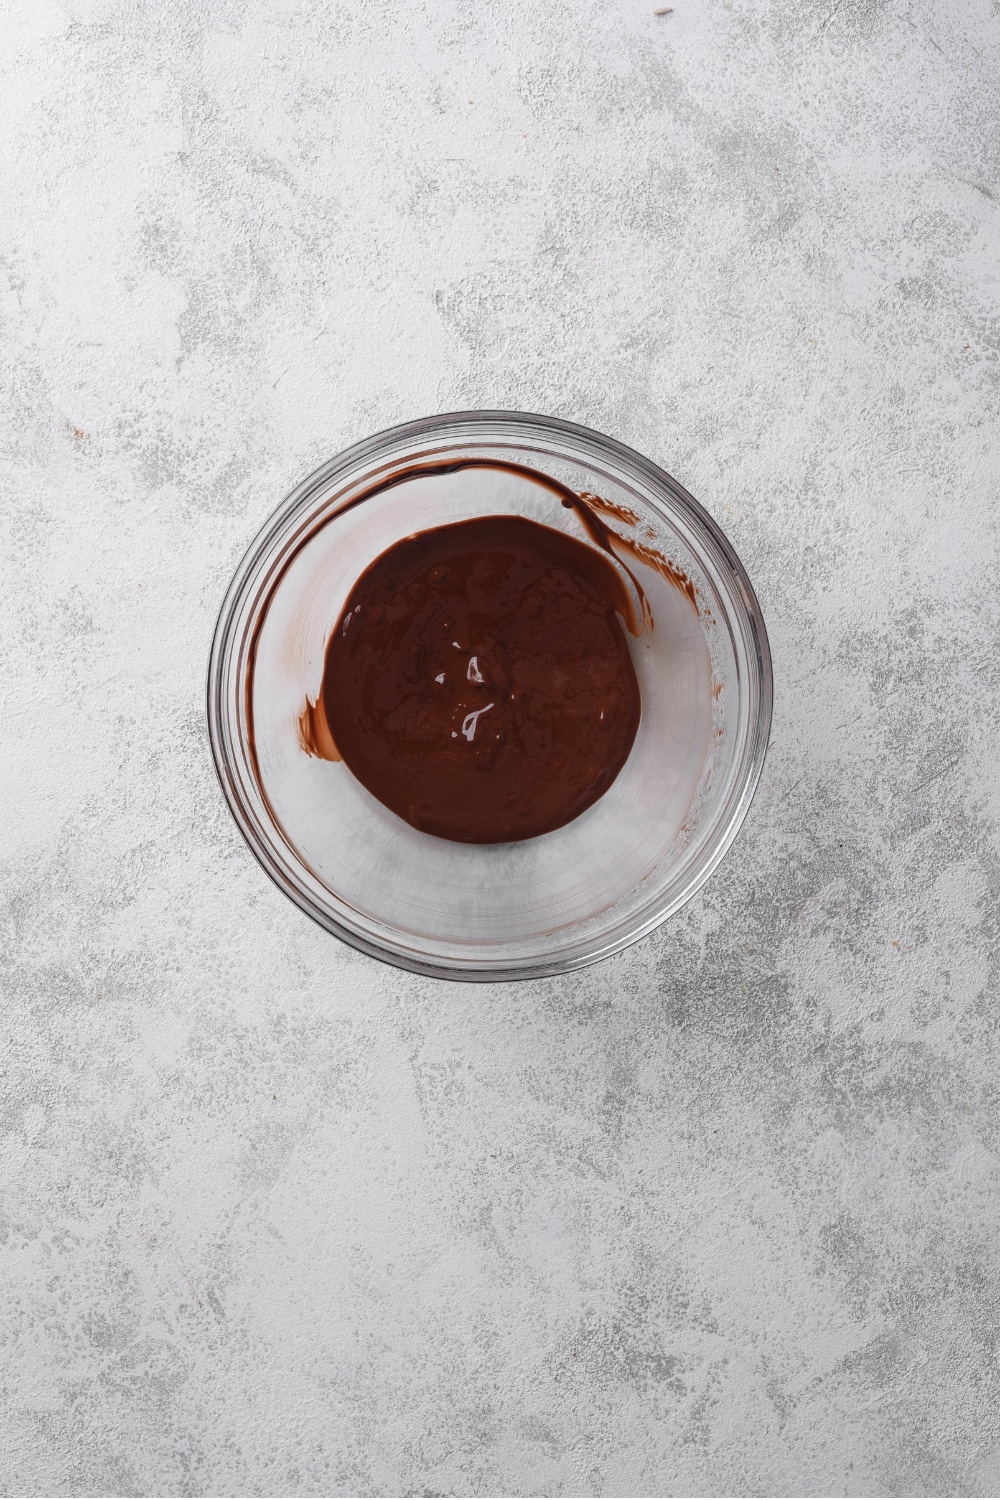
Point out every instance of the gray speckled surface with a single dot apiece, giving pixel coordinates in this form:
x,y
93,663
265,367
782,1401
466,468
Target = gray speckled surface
x,y
719,1216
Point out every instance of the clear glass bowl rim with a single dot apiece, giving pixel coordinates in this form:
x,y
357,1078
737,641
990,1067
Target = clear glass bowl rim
x,y
587,440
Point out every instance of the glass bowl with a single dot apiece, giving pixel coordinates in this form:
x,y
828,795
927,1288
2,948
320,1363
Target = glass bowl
x,y
540,906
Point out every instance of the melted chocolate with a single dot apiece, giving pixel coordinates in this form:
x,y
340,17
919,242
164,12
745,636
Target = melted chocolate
x,y
479,681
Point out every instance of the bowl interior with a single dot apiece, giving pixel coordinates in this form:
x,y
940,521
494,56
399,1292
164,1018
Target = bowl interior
x,y
489,910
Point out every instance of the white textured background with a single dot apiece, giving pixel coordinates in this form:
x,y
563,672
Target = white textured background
x,y
719,1216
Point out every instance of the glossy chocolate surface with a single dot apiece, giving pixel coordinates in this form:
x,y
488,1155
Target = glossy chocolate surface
x,y
479,681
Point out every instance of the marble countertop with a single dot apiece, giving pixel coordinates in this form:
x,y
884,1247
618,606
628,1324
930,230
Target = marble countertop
x,y
719,1216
